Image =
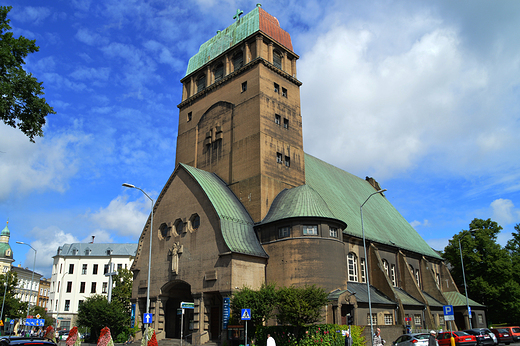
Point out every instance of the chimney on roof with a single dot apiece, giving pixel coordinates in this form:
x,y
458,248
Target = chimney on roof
x,y
92,242
373,182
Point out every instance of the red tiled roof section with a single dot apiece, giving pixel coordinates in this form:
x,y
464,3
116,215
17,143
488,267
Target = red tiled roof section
x,y
271,27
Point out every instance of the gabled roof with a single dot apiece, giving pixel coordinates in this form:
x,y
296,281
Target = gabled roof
x,y
301,201
457,299
344,193
406,299
432,301
96,249
254,21
235,222
361,292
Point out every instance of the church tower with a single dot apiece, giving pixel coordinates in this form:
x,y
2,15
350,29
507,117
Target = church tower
x,y
240,112
6,254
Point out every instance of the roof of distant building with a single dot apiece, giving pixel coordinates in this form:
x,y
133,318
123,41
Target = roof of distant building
x,y
255,21
457,299
96,249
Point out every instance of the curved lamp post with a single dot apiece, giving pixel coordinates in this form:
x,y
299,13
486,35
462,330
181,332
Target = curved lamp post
x,y
464,276
149,255
366,266
32,278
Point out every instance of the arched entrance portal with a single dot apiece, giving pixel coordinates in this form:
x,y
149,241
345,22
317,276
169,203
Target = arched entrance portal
x,y
177,292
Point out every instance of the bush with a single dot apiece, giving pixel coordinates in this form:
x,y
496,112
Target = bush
x,y
312,335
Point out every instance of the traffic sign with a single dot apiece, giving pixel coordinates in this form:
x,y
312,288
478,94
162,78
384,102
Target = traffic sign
x,y
1,323
469,311
12,322
246,314
185,305
449,314
148,318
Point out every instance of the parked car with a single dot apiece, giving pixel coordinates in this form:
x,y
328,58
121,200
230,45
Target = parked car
x,y
502,335
63,334
461,339
414,339
514,332
492,335
25,341
483,338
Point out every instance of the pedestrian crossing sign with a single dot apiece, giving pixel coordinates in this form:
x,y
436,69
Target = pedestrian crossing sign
x,y
246,314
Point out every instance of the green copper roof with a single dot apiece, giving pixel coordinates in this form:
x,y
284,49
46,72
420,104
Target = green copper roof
x,y
5,231
344,193
235,223
457,299
361,292
432,301
406,299
3,250
301,201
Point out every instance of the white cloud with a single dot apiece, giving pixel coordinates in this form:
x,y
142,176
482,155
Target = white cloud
x,y
504,212
438,244
34,15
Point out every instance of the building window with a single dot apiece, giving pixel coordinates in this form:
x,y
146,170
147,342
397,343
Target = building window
x,y
417,277
284,232
441,320
276,88
392,275
67,305
277,119
480,319
333,232
93,288
310,230
71,268
84,269
201,82
279,158
389,319
417,320
352,267
119,266
87,252
109,252
219,72
385,266
189,116
105,287
363,270
94,269
244,86
374,319
288,161
106,269
194,222
69,286
284,92
164,230
179,226
286,123
238,61
438,280
82,287
277,59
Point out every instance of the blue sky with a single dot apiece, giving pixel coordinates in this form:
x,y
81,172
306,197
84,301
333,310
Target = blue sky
x,y
421,95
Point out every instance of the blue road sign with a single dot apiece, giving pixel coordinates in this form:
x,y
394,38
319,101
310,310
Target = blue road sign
x,y
449,314
148,318
246,314
12,322
469,311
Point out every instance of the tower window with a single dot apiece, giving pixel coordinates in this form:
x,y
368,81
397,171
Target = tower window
x,y
244,86
284,92
277,59
276,88
333,232
190,116
285,123
277,119
201,83
238,61
310,230
287,161
219,72
284,232
279,157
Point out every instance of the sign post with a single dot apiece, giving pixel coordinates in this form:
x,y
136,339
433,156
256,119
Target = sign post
x,y
449,314
185,305
246,316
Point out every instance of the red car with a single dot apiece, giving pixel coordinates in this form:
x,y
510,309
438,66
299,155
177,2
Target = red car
x,y
502,335
461,339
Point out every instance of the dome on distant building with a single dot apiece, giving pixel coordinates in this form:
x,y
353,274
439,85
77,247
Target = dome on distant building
x,y
5,249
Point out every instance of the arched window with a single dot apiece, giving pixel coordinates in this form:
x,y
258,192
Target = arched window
x,y
194,222
201,82
218,71
352,267
238,61
277,59
164,230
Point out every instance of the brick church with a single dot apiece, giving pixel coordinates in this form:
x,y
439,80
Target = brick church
x,y
246,205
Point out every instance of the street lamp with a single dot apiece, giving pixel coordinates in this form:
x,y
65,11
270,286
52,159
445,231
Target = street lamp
x,y
32,278
149,254
464,276
366,266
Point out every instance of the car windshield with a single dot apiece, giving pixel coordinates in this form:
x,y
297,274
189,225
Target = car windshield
x,y
502,330
516,330
421,336
460,333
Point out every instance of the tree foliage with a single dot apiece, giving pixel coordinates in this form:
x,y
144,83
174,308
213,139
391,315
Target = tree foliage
x,y
21,104
13,308
122,292
96,313
489,270
299,306
261,303
40,310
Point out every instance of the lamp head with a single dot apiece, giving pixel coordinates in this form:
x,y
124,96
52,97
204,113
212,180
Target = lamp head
x,y
129,185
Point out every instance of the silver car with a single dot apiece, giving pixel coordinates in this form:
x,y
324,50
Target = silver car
x,y
414,339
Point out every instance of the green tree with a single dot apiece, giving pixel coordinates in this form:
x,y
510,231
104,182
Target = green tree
x,y
96,313
299,306
13,308
513,247
122,292
261,302
21,104
488,269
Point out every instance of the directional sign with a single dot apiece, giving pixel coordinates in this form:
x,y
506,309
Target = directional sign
x,y
449,314
185,305
147,318
469,311
246,314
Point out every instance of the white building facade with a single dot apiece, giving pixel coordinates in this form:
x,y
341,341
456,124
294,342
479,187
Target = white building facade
x,y
28,285
78,272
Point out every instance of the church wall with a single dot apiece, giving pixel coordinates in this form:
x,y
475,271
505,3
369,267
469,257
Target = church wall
x,y
248,271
